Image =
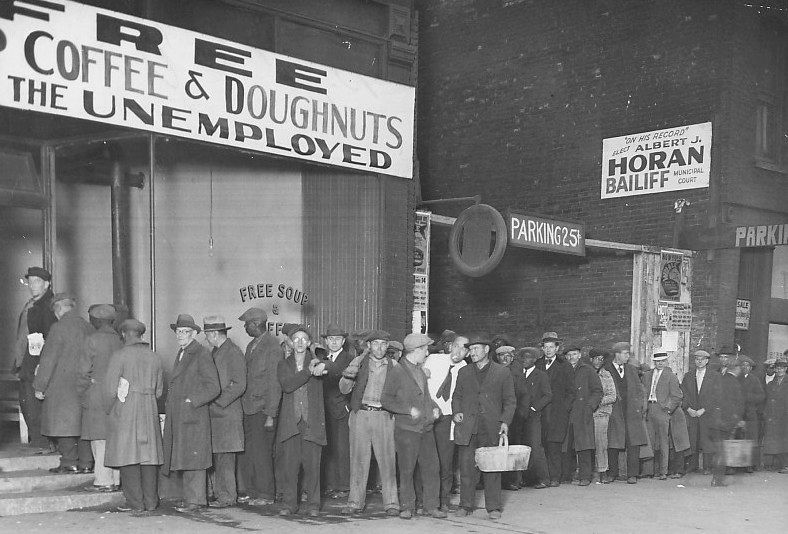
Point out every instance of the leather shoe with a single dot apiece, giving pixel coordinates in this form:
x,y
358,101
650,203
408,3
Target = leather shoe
x,y
191,507
584,483
461,512
437,514
554,484
540,485
494,515
677,475
85,470
405,514
511,487
219,504
349,510
663,477
285,512
392,512
632,480
313,513
260,501
64,470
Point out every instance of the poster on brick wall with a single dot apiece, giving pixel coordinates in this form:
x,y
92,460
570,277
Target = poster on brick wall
x,y
671,274
421,272
644,163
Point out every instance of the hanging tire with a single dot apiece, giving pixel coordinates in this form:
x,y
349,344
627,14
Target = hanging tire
x,y
501,239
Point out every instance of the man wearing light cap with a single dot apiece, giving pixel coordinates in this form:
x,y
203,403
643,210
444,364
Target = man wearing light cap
x,y
56,384
227,432
406,395
371,426
260,403
701,389
92,370
33,327
665,420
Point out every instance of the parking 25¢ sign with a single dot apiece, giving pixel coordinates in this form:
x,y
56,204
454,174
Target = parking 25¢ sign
x,y
540,233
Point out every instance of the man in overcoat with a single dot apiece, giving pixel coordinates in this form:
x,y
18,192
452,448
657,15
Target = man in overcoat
x,y
754,396
227,432
533,393
555,416
56,383
701,387
665,420
336,454
580,441
260,403
193,384
626,429
407,396
483,404
35,320
93,362
302,425
371,426
134,380
775,413
730,418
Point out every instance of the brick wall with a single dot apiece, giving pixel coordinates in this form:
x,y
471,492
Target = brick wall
x,y
515,98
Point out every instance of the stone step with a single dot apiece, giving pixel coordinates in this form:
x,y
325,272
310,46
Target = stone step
x,y
54,501
14,461
40,479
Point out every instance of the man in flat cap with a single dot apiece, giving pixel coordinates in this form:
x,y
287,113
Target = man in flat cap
x,y
134,380
260,404
336,454
625,430
754,397
533,393
701,389
483,406
665,419
301,433
33,326
226,414
580,441
371,427
406,395
602,413
193,384
555,416
92,370
56,384
442,370
446,341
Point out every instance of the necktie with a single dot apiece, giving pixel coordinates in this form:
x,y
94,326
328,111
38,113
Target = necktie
x,y
621,370
548,363
180,355
444,392
653,394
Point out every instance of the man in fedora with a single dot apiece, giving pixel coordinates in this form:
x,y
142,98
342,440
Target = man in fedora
x,y
260,404
92,369
407,396
626,429
336,454
483,404
725,356
665,419
194,383
754,396
33,326
371,427
56,384
532,390
555,416
226,414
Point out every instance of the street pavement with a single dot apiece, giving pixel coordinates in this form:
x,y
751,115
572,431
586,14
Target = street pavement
x,y
756,503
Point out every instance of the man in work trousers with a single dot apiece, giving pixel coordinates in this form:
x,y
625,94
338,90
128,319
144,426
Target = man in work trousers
x,y
483,406
260,404
227,432
371,427
700,387
134,380
194,383
56,385
407,396
92,370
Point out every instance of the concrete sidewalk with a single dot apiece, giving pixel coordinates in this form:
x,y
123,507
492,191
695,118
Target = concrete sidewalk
x,y
755,502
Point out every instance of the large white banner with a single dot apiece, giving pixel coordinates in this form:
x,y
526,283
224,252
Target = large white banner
x,y
654,162
69,59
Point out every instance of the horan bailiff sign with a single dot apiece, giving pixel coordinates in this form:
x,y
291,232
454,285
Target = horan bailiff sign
x,y
74,60
655,162
540,233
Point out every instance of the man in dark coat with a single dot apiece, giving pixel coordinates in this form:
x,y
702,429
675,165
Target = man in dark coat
x,y
626,429
754,397
227,432
407,396
336,454
92,370
730,417
775,413
194,383
483,406
56,384
302,426
700,387
555,417
533,393
580,441
260,404
33,327
134,380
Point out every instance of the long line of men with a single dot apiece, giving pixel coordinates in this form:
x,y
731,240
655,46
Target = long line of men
x,y
324,405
